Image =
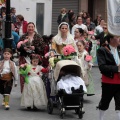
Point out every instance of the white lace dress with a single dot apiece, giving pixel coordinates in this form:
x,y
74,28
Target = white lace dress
x,y
34,93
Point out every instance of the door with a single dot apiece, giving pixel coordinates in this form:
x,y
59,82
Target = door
x,y
90,7
57,6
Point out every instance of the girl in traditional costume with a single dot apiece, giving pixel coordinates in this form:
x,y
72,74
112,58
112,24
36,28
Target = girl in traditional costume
x,y
8,73
84,60
34,93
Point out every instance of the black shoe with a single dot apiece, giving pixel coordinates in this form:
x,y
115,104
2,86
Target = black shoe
x,y
28,108
90,94
61,92
97,107
72,89
81,88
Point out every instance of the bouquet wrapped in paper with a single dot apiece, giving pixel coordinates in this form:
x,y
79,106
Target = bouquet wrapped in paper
x,y
24,71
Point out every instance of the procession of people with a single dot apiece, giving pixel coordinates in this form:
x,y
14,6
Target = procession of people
x,y
91,42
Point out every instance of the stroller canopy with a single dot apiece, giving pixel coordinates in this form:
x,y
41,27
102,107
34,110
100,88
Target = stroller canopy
x,y
69,66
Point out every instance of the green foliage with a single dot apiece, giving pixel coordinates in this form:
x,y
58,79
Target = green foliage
x,y
24,72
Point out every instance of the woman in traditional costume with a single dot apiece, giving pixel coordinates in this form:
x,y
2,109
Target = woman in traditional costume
x,y
30,42
63,38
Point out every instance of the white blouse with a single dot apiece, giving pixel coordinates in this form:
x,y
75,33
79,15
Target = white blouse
x,y
21,30
6,69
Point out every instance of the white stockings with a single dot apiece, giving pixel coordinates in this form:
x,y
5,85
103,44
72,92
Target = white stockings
x,y
101,114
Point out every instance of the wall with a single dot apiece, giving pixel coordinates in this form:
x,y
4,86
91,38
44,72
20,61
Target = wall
x,y
28,9
100,8
83,5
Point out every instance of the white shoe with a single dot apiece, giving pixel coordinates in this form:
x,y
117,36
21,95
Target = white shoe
x,y
7,107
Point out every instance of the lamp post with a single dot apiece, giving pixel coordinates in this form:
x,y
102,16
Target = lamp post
x,y
8,33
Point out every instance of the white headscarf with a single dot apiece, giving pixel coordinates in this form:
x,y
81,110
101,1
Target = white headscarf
x,y
58,38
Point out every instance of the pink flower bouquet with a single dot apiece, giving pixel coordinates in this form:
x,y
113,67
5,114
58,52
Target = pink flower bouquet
x,y
68,50
88,58
24,42
22,66
19,44
47,55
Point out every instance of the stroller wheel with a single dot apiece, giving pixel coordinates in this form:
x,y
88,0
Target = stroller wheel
x,y
62,113
76,111
80,113
50,106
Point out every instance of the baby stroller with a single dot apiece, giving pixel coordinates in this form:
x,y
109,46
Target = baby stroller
x,y
64,101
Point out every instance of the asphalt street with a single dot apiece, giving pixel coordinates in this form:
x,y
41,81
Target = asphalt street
x,y
90,103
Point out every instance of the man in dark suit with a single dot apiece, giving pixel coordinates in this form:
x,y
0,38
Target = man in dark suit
x,y
109,65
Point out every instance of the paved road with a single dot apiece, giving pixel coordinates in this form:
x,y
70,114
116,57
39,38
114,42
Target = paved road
x,y
90,103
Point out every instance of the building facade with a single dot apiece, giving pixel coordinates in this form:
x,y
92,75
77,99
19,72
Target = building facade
x,y
37,11
94,7
44,13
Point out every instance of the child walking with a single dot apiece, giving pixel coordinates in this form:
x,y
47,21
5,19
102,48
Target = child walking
x,y
34,93
84,60
8,72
